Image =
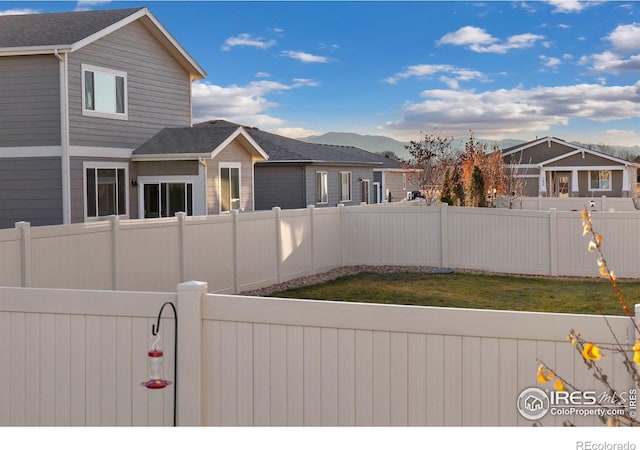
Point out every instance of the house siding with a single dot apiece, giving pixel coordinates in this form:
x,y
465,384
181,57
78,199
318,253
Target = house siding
x,y
333,180
233,153
158,87
31,191
538,153
31,86
279,185
393,182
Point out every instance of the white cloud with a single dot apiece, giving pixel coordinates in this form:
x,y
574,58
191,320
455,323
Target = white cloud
x,y
550,61
620,133
276,30
478,40
262,75
18,11
625,38
569,6
247,40
450,73
243,104
305,57
295,132
509,111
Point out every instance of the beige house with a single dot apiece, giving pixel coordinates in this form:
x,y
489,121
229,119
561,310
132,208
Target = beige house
x,y
551,167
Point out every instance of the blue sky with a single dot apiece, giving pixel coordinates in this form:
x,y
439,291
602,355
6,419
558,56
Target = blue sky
x,y
514,69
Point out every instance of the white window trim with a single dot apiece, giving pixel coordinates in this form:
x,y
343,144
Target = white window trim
x,y
104,165
368,183
350,187
195,181
104,115
327,178
229,165
591,188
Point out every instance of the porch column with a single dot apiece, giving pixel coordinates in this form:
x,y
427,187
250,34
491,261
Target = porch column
x,y
542,181
625,180
574,181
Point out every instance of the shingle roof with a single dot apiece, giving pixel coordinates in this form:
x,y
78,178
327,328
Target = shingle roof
x,y
205,137
66,28
186,140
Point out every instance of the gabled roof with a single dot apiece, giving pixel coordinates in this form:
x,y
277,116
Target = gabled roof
x,y
574,149
195,142
33,34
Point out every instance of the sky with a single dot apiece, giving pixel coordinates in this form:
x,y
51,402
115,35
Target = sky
x,y
498,69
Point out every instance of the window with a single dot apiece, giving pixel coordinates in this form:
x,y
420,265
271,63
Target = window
x,y
322,190
229,187
600,180
345,186
104,93
106,191
166,199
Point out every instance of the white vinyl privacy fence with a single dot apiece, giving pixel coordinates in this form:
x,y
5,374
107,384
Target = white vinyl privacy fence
x,y
239,252
76,357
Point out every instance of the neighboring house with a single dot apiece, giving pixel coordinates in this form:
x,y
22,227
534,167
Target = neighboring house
x,y
79,91
204,169
552,167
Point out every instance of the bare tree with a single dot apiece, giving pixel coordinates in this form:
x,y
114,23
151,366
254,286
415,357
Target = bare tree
x,y
431,155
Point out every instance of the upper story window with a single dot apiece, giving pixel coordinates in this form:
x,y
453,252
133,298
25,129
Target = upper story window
x,y
104,93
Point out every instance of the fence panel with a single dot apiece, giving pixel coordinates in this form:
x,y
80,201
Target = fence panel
x,y
295,242
356,364
257,250
11,261
75,358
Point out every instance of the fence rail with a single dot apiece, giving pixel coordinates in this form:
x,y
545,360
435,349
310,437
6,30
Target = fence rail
x,y
239,252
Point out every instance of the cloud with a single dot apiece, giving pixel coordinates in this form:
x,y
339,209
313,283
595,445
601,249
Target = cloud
x,y
625,38
570,6
243,104
18,11
262,75
305,57
295,132
450,73
620,133
550,61
478,40
247,40
508,111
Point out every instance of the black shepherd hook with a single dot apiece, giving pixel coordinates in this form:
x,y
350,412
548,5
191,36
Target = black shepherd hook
x,y
155,329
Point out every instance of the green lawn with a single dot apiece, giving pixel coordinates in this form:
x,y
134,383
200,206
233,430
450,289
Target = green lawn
x,y
461,290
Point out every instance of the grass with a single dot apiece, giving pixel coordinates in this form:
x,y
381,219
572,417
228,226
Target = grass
x,y
460,290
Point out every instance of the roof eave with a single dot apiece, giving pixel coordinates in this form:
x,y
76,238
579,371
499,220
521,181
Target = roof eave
x,y
36,50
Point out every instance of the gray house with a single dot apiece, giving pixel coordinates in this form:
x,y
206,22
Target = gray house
x,y
79,92
552,167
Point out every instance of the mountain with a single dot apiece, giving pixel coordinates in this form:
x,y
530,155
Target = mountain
x,y
372,144
377,144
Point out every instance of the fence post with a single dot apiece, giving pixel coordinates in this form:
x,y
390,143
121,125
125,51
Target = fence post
x,y
181,252
553,242
236,251
444,235
539,202
636,319
343,229
603,204
115,230
25,253
189,381
276,211
312,222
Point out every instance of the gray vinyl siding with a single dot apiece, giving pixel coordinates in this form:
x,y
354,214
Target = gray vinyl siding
x,y
166,168
31,191
393,182
158,87
333,180
233,153
279,185
30,95
77,187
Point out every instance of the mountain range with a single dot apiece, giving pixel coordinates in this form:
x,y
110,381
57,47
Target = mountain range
x,y
378,144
